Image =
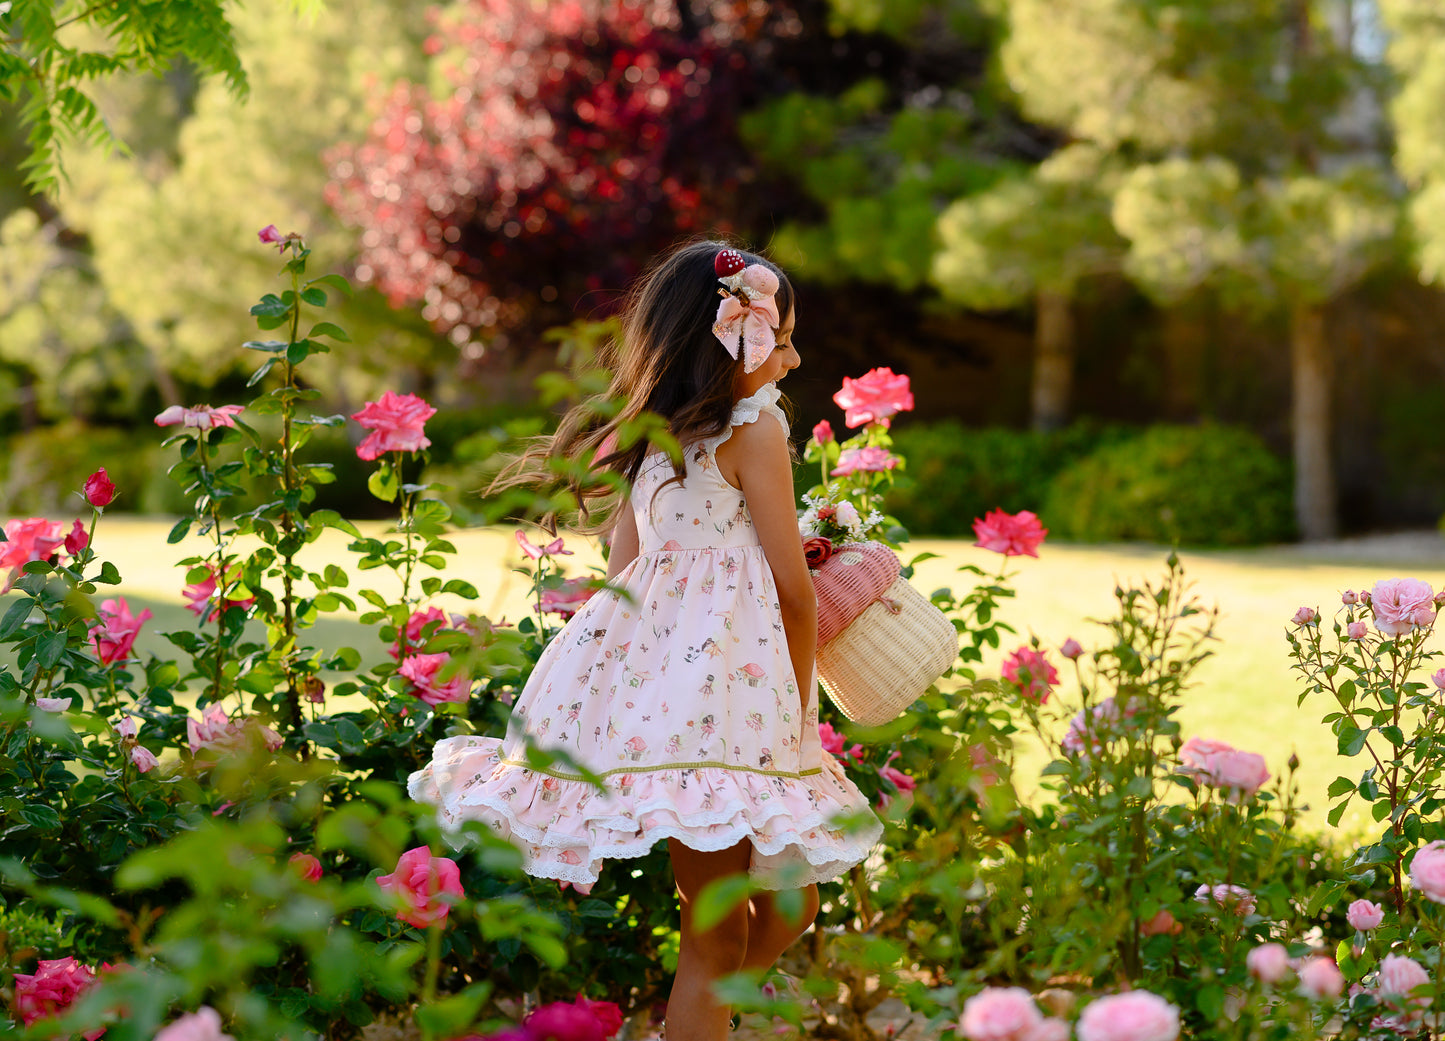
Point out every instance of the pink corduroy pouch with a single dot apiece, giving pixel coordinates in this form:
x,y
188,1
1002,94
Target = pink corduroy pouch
x,y
856,575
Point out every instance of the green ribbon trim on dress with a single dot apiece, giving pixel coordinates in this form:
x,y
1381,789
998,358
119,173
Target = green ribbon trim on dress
x,y
668,766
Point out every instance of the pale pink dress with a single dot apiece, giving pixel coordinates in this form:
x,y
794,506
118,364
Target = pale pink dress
x,y
682,698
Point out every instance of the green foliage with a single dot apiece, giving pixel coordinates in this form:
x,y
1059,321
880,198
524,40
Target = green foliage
x,y
1201,486
42,469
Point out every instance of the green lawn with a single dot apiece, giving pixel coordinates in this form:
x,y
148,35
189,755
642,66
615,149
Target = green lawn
x,y
1246,694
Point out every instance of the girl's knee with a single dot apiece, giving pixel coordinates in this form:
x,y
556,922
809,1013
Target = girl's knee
x,y
723,948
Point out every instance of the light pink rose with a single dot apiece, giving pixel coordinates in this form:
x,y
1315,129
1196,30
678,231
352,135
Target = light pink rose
x,y
423,670
1321,978
52,989
1050,1030
202,1025
1357,630
1349,597
847,514
143,759
202,417
1071,649
307,866
568,597
1028,669
218,732
52,704
1091,735
33,538
1012,534
126,728
823,432
1135,1015
1427,871
1402,604
1268,963
396,424
1228,897
77,539
873,397
1364,915
420,884
551,549
1000,1014
1399,976
1438,678
1305,616
201,595
116,629
871,459
1162,923
1243,772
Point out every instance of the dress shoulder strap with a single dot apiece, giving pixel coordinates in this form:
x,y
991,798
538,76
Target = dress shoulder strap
x,y
750,408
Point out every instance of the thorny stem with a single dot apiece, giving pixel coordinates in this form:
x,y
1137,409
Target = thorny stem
x,y
288,524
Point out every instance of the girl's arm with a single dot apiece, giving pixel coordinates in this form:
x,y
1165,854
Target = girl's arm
x,y
624,542
757,454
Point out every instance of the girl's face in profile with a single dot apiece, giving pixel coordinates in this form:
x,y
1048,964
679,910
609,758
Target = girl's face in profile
x,y
783,359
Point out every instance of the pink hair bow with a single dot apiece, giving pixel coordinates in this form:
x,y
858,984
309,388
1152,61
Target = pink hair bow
x,y
748,324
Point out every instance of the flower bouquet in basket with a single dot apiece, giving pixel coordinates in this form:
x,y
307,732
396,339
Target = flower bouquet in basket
x,y
881,644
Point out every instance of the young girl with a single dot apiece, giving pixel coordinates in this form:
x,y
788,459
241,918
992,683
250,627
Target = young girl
x,y
683,695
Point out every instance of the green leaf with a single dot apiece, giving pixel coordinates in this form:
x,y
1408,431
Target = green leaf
x,y
383,484
1339,786
453,1015
717,899
260,374
298,352
350,736
1394,735
1351,740
268,346
329,329
1324,896
50,647
334,281
109,574
15,616
313,296
181,529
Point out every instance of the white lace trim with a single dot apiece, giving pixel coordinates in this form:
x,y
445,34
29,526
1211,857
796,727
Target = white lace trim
x,y
748,410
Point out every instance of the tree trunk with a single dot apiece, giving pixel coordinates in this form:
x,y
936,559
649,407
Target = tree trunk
x,y
1186,346
1314,476
1053,377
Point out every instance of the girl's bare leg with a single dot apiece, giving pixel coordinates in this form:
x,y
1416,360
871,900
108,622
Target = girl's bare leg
x,y
692,1012
771,931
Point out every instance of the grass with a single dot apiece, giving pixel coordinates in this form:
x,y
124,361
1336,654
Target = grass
x,y
1246,694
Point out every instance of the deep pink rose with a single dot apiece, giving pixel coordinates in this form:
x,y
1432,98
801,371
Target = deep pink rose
x,y
1321,978
33,538
1227,897
1161,924
1427,871
1305,616
78,538
270,235
607,1014
1028,669
1000,1014
1364,915
423,671
202,417
1071,649
1356,630
143,759
115,632
202,1025
833,743
551,549
823,433
1268,963
873,397
201,596
568,597
307,866
99,491
420,883
871,459
817,549
52,989
1402,604
900,780
416,625
563,1021
1135,1015
1013,535
396,425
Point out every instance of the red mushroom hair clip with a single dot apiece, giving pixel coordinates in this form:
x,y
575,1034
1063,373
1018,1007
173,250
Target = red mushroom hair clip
x,y
747,316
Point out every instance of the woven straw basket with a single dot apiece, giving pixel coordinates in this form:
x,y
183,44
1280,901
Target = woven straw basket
x,y
884,661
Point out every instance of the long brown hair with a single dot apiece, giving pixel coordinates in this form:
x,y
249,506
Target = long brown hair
x,y
667,362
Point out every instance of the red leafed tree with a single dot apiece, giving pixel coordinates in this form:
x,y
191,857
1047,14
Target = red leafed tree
x,y
577,139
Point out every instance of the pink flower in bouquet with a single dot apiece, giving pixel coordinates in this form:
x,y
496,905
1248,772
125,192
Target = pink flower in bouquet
x,y
551,549
846,514
33,538
816,549
1364,915
1228,897
1399,976
423,670
1135,1015
143,759
1402,604
99,490
52,989
396,425
1268,963
307,866
1427,871
1012,534
420,884
78,538
202,595
202,1025
115,632
567,598
1321,978
1028,669
873,397
1071,649
202,417
1438,678
823,433
1357,630
871,459
1163,922
1349,597
1305,616
1000,1014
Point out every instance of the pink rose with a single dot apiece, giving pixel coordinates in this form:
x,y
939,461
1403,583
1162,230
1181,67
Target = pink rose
x,y
816,549
1357,630
1348,597
1228,897
202,417
1427,871
1268,963
1000,1014
218,732
396,424
873,397
1321,978
568,597
871,459
52,704
201,596
1438,678
1088,734
1402,604
416,625
33,538
552,549
1364,915
1243,772
423,669
1013,535
143,759
900,780
1399,976
115,632
1050,1030
270,235
1305,616
1028,669
831,740
201,1025
1071,649
126,728
1163,922
307,866
823,432
52,989
99,491
607,1014
420,884
847,514
78,538
563,1021
1135,1015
